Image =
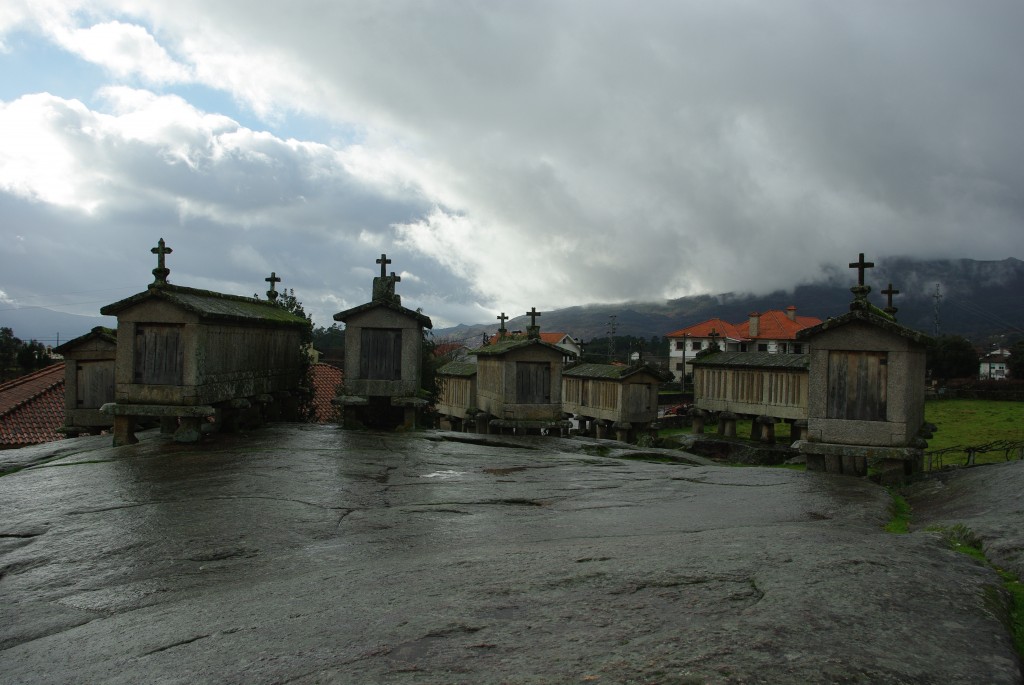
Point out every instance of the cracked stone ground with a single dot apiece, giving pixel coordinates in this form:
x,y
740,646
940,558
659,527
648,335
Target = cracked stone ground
x,y
307,554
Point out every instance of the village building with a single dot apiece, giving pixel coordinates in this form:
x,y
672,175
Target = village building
x,y
185,354
519,383
609,399
88,380
573,346
383,358
993,366
865,407
773,332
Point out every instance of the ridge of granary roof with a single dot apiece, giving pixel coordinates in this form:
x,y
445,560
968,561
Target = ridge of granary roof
x,y
208,304
879,319
754,359
504,346
552,338
613,372
458,369
97,333
423,319
32,407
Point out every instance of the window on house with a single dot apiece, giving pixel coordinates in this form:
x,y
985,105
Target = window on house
x,y
680,344
762,347
797,348
695,346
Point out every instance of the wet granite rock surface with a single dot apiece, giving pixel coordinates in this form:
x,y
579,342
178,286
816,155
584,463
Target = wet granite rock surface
x,y
307,554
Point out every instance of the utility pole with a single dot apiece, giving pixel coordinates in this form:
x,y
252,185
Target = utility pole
x,y
935,313
611,338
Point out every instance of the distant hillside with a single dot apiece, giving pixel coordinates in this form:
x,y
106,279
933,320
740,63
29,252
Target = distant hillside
x,y
977,300
50,327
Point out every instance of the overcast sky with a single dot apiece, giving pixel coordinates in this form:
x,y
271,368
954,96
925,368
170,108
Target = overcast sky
x,y
505,154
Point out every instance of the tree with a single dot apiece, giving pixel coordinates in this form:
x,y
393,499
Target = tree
x,y
952,356
1015,362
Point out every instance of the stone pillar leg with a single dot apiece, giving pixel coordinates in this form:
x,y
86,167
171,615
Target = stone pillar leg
x,y
124,431
727,424
409,418
168,424
697,421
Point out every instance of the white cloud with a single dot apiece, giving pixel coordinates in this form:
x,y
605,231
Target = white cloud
x,y
549,153
126,50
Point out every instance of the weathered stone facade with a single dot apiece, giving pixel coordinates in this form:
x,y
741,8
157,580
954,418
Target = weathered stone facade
x,y
88,380
383,357
865,396
519,385
187,354
607,398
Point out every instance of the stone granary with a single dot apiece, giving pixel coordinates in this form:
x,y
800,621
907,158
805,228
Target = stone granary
x,y
605,397
456,400
866,389
88,380
383,358
185,354
519,383
764,386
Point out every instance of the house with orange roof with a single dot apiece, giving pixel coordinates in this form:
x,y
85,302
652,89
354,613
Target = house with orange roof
x,y
32,408
773,331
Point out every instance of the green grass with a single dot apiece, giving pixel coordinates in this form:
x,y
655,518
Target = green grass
x,y
900,510
969,423
961,539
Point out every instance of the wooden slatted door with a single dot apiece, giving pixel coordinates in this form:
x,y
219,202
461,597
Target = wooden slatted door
x,y
857,385
380,354
159,355
95,383
533,383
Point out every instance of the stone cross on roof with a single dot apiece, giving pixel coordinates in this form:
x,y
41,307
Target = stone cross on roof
x,y
502,318
273,280
384,261
889,292
161,272
533,330
860,265
860,291
714,335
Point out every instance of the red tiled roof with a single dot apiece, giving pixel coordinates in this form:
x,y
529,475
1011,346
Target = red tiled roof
x,y
703,330
776,325
326,379
32,408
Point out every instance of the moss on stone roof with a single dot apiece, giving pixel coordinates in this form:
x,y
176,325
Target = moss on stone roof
x,y
99,332
458,369
423,319
505,346
754,360
611,371
212,305
883,321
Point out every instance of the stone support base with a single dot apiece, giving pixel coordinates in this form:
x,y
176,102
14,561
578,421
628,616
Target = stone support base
x,y
727,424
892,465
186,420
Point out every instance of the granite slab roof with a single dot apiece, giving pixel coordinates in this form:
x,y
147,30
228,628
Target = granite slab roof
x,y
611,371
98,333
507,346
464,369
207,304
423,319
754,360
869,316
